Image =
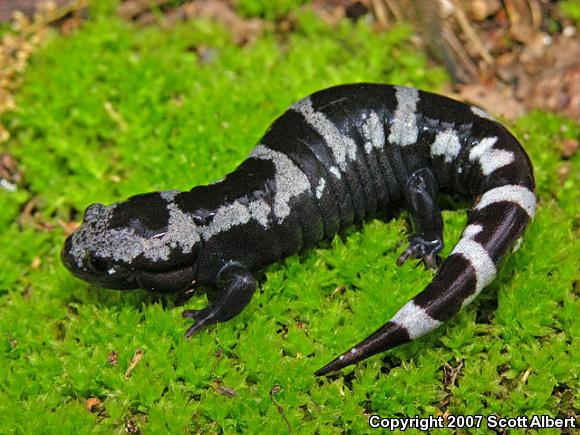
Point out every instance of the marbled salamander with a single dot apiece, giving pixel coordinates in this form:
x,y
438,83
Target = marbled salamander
x,y
334,158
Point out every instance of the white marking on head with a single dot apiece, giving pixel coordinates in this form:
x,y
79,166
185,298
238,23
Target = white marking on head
x,y
124,244
489,158
343,147
320,188
373,132
519,195
415,320
169,195
404,130
289,179
446,144
481,113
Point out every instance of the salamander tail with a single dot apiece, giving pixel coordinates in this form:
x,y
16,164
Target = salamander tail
x,y
386,337
495,224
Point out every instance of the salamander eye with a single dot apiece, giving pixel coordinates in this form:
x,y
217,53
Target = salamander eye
x,y
97,265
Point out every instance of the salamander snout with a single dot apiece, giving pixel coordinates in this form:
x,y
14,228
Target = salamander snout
x,y
147,241
84,252
94,212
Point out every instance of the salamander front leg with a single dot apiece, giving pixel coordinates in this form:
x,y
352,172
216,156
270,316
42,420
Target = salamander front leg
x,y
236,287
427,240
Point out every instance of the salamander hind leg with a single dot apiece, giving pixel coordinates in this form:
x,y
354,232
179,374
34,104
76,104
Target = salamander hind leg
x,y
236,288
427,240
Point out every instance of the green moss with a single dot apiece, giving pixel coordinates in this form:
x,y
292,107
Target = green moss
x,y
270,10
116,110
570,9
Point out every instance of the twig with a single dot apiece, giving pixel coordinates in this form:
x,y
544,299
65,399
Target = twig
x,y
380,12
470,33
395,9
275,390
54,15
451,40
136,358
536,12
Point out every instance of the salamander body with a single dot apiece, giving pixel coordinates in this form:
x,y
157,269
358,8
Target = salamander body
x,y
336,157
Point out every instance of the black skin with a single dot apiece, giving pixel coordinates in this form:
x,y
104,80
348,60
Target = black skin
x,y
427,240
231,281
373,181
425,243
236,284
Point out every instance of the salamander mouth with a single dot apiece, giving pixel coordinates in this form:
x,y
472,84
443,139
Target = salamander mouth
x,y
167,282
93,271
119,277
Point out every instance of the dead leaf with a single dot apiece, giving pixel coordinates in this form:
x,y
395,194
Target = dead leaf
x,y
131,9
480,10
10,174
569,147
499,103
557,90
564,172
243,30
136,358
223,390
113,358
36,262
131,426
27,7
93,404
68,227
450,374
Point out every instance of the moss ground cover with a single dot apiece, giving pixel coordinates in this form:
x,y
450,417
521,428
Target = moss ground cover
x,y
114,110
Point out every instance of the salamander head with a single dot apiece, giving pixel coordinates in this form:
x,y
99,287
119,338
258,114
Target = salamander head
x,y
144,242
